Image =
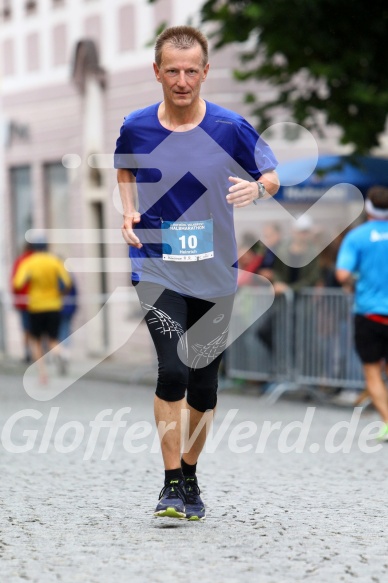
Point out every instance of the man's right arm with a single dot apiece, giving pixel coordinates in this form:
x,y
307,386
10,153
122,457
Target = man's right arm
x,y
128,194
347,261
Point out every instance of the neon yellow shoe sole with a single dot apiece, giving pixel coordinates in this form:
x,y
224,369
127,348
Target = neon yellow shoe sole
x,y
196,518
383,435
170,513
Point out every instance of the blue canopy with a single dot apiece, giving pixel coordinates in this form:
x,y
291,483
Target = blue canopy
x,y
361,171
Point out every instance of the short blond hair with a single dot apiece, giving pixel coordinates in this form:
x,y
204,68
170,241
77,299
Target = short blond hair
x,y
181,37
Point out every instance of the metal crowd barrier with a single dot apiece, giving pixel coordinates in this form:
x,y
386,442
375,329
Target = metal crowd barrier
x,y
303,340
325,354
262,352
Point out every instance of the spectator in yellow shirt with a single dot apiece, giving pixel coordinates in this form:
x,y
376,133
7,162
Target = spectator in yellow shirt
x,y
47,278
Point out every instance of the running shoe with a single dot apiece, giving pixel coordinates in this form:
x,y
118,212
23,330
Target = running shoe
x,y
383,434
195,508
172,500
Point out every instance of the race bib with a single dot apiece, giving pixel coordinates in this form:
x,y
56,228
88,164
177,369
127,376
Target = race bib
x,y
187,241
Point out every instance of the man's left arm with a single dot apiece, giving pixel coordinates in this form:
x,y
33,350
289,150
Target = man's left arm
x,y
244,192
270,181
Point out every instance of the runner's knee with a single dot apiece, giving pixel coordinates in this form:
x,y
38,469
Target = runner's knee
x,y
202,398
172,382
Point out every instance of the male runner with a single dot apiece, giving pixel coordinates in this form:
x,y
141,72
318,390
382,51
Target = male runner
x,y
363,259
190,163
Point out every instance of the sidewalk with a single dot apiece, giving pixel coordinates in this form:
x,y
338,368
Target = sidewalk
x,y
274,516
142,370
110,369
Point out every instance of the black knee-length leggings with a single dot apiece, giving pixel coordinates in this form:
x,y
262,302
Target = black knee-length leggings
x,y
190,336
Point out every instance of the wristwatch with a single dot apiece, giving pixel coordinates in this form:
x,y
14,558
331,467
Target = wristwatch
x,y
260,190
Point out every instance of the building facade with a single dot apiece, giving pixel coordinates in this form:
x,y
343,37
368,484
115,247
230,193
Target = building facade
x,y
71,70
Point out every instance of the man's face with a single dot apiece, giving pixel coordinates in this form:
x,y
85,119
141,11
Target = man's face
x,y
181,74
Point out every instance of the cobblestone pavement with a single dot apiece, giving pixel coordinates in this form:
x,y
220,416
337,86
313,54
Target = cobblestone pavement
x,y
273,516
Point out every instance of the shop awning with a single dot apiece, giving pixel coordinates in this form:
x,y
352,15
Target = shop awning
x,y
362,172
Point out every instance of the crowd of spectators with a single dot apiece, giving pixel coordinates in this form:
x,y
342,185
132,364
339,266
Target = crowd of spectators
x,y
289,262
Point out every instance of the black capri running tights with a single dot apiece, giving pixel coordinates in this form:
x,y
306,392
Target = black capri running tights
x,y
186,361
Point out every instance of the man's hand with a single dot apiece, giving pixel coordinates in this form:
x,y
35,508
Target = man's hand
x,y
242,193
128,232
280,287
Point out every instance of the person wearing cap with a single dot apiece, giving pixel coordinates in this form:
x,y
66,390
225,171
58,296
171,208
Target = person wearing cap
x,y
46,277
299,266
362,263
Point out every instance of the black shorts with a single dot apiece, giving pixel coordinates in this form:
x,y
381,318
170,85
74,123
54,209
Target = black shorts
x,y
45,324
371,340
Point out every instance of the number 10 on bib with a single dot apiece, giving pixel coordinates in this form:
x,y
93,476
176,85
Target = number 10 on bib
x,y
187,241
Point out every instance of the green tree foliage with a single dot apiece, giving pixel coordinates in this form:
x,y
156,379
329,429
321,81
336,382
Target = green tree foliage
x,y
323,56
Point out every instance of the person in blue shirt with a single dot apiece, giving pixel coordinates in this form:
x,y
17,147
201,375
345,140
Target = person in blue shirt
x,y
363,261
70,297
183,165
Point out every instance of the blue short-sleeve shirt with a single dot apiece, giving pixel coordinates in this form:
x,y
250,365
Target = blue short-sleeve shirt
x,y
364,252
183,176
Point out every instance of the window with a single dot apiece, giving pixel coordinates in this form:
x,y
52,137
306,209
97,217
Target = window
x,y
56,200
6,11
32,52
59,44
126,28
30,6
92,28
8,57
21,206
